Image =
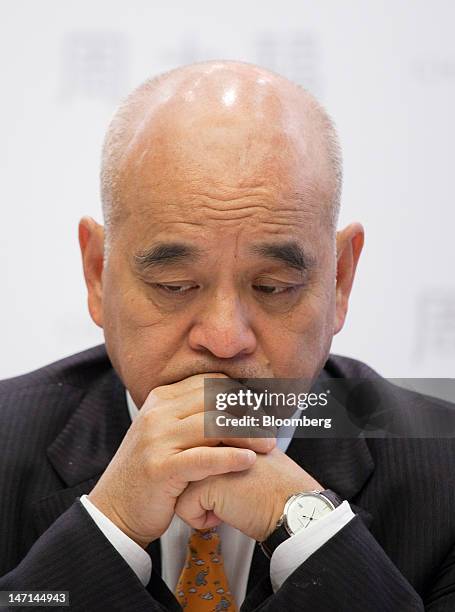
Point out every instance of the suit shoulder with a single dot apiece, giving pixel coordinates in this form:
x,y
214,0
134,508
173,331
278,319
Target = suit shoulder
x,y
398,392
77,370
339,366
36,405
419,423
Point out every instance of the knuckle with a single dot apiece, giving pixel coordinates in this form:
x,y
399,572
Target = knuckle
x,y
153,468
151,417
203,459
154,396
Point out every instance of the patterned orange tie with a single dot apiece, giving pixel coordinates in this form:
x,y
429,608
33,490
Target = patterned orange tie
x,y
203,586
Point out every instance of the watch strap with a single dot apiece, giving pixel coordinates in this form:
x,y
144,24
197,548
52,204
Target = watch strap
x,y
281,534
332,497
277,537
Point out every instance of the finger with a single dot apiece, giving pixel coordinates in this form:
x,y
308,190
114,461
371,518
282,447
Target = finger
x,y
212,520
192,509
180,387
204,391
231,428
161,404
214,390
190,395
200,462
201,430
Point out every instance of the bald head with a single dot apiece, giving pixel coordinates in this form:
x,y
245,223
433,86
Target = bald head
x,y
227,125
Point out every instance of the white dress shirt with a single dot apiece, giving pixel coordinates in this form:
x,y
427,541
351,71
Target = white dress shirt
x,y
237,548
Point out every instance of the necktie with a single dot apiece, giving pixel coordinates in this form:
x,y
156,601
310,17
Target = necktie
x,y
203,586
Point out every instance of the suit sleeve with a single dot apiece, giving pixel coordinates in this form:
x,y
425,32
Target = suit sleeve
x,y
73,555
136,557
352,573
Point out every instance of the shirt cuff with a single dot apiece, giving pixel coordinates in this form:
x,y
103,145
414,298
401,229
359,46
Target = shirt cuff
x,y
295,550
136,557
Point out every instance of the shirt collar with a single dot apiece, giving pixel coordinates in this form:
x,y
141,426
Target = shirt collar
x,y
132,408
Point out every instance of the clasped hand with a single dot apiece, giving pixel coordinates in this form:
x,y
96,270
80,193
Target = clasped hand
x,y
165,465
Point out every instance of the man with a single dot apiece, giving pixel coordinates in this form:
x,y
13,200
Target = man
x,y
219,257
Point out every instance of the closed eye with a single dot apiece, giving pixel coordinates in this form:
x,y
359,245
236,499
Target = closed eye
x,y
266,290
175,289
273,289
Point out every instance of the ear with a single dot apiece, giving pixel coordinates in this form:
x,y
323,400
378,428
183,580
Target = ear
x,y
349,246
91,241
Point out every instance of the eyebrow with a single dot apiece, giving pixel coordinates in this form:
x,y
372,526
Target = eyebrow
x,y
166,254
289,253
173,253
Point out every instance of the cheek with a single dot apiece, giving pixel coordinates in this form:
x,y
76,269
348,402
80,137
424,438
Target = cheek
x,y
311,316
127,308
298,344
142,330
139,339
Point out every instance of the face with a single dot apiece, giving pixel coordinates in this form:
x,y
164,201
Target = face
x,y
222,262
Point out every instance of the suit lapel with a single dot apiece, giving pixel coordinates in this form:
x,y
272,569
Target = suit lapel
x,y
83,448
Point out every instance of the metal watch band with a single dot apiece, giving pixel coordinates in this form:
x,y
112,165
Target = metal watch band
x,y
280,534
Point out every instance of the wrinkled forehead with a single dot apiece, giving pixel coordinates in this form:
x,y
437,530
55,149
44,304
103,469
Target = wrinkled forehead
x,y
228,139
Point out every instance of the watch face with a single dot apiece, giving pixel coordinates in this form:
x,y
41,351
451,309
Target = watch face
x,y
304,510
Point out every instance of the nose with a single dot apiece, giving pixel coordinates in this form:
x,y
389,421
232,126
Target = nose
x,y
222,327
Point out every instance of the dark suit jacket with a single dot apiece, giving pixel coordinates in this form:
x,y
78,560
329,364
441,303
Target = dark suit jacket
x,y
61,425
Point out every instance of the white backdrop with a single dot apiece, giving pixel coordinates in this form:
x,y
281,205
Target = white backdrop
x,y
384,69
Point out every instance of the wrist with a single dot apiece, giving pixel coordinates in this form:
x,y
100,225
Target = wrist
x,y
301,511
275,515
279,500
276,511
114,516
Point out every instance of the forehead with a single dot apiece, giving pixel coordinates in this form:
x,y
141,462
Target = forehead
x,y
222,212
210,168
200,187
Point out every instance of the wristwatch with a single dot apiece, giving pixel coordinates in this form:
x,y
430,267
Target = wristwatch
x,y
300,511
